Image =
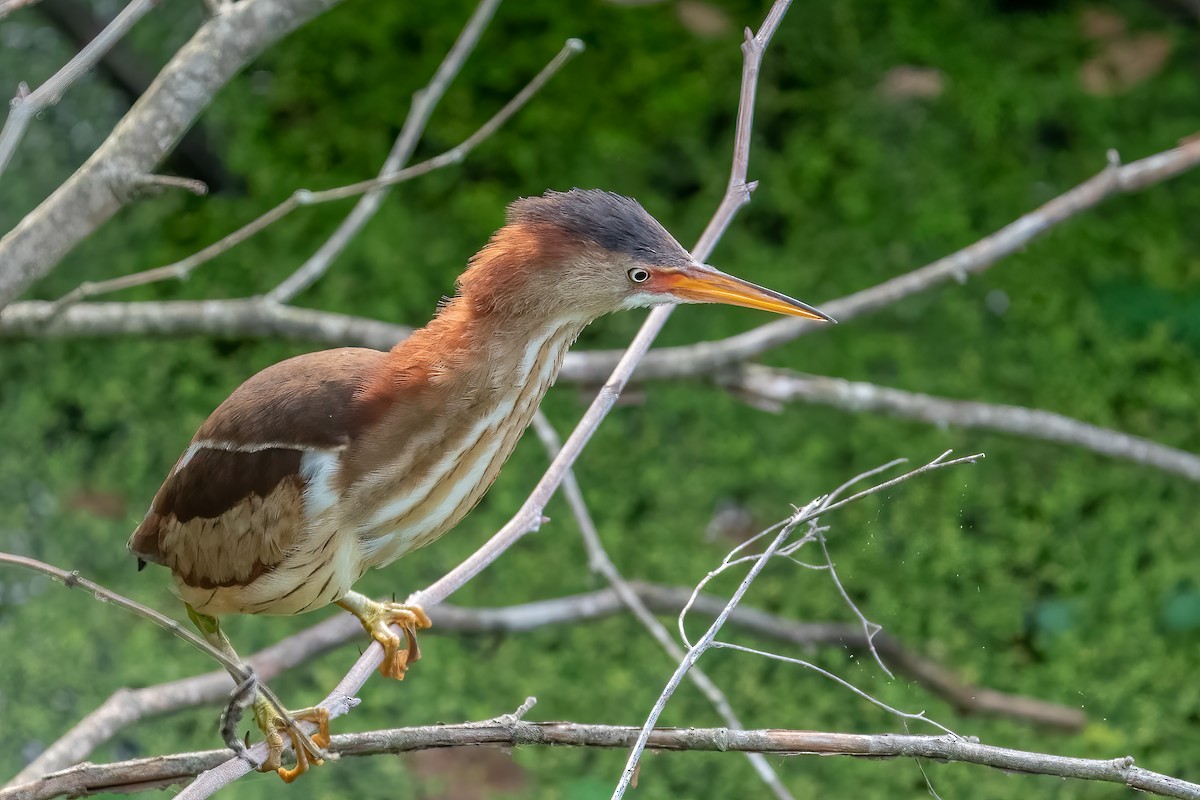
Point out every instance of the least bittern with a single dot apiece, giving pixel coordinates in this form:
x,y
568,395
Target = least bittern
x,y
327,464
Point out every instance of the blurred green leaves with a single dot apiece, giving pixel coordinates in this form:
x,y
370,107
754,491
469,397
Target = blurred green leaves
x,y
1043,570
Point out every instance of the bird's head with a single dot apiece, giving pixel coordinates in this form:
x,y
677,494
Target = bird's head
x,y
587,252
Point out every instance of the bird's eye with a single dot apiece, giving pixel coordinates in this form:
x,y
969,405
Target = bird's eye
x,y
639,275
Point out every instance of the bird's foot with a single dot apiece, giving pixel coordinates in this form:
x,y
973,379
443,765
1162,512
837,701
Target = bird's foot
x,y
377,618
308,749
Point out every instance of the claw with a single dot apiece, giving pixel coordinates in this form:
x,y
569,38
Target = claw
x,y
308,749
409,619
377,618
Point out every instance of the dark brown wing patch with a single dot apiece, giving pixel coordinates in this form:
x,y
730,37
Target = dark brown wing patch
x,y
224,517
215,481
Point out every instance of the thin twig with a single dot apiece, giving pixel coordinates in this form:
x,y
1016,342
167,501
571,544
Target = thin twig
x,y
72,579
870,629
25,107
424,101
155,773
600,562
192,185
181,270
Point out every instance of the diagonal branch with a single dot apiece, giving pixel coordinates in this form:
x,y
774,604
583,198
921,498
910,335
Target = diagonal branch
x,y
103,185
706,357
777,386
423,103
181,270
600,562
159,772
528,517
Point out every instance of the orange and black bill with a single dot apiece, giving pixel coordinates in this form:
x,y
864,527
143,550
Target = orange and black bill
x,y
701,283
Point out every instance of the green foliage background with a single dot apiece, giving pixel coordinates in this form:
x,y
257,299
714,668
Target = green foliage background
x,y
1044,570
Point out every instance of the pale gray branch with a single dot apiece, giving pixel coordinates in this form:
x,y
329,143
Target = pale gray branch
x,y
784,386
25,107
807,515
98,189
155,773
233,318
763,385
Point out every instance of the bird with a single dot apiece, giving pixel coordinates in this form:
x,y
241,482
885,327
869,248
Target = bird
x,y
327,464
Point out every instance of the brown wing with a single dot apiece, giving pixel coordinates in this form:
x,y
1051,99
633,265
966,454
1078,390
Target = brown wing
x,y
233,504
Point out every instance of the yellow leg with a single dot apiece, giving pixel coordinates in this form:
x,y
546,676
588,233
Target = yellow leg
x,y
271,721
378,618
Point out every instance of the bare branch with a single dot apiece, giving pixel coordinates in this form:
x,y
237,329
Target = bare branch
x,y
423,103
248,317
768,386
99,188
706,357
783,386
600,562
155,773
25,106
181,270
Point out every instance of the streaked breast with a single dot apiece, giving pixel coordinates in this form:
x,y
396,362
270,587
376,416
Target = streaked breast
x,y
430,486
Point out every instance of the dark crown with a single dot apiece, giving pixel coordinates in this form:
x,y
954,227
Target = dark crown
x,y
616,223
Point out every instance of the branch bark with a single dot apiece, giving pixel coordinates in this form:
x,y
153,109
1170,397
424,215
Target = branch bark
x,y
161,771
777,386
233,318
98,189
